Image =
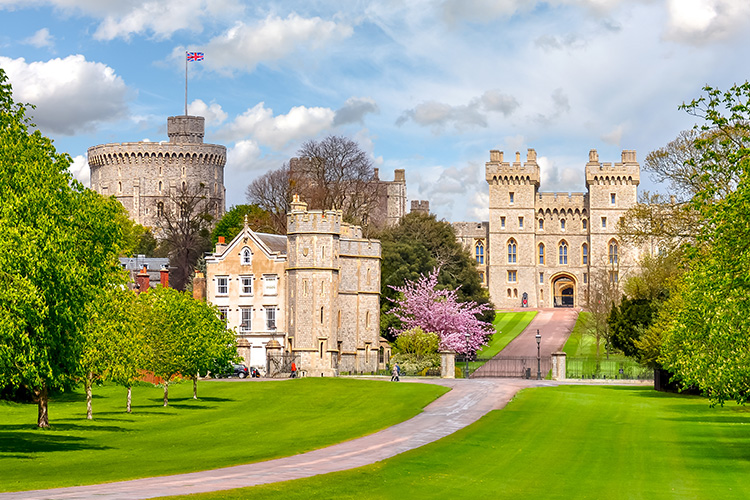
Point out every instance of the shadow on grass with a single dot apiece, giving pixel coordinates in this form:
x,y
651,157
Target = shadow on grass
x,y
42,442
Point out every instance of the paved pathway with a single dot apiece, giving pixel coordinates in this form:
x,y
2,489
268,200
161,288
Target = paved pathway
x,y
554,326
464,404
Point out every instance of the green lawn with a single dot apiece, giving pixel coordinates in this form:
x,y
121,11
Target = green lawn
x,y
508,326
567,442
233,422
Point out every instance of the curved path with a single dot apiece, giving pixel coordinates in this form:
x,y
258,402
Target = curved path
x,y
554,325
464,404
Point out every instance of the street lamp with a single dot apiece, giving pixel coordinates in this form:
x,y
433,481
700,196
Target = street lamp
x,y
467,335
538,356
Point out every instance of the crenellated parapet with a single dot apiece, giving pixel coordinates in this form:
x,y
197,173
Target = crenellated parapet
x,y
152,154
500,172
627,172
561,201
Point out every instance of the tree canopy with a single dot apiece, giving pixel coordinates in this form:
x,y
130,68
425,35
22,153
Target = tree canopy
x,y
58,246
233,221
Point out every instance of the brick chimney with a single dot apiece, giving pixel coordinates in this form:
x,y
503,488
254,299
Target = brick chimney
x,y
164,276
142,280
220,246
199,286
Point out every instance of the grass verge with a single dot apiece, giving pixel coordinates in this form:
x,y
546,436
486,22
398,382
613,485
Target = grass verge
x,y
233,422
565,442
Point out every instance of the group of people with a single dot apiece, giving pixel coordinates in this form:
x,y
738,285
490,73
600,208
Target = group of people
x,y
395,372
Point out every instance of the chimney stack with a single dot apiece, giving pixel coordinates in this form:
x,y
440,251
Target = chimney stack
x,y
142,280
164,277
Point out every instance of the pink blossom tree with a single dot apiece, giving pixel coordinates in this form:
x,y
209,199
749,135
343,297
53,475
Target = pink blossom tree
x,y
438,311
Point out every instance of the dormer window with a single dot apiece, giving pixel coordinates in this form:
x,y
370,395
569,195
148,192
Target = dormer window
x,y
247,257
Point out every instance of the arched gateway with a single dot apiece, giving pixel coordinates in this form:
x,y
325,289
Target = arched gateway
x,y
564,290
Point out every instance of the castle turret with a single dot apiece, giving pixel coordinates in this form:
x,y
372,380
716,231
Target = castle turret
x,y
146,177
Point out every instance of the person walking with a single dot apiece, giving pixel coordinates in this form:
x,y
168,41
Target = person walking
x,y
294,370
395,372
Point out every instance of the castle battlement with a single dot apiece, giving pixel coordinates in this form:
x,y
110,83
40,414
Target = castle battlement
x,y
498,171
152,153
559,200
626,172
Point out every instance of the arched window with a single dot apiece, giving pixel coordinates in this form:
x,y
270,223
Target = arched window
x,y
247,257
160,186
541,253
562,224
541,223
584,254
479,252
160,209
613,252
563,253
511,251
321,315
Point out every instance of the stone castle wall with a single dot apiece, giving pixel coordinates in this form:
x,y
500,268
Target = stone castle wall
x,y
143,174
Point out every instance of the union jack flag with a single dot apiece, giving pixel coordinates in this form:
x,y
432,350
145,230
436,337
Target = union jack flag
x,y
195,56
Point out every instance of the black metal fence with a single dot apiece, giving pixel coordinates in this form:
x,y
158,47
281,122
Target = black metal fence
x,y
505,366
588,368
280,365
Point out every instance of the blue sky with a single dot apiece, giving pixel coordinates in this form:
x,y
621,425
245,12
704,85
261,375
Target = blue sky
x,y
428,86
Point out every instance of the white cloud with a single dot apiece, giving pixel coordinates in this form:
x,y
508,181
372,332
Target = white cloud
x,y
354,110
614,136
243,156
438,115
70,94
40,39
213,113
80,170
700,21
558,179
245,46
259,123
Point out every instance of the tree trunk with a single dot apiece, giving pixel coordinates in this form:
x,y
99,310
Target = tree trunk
x,y
130,393
42,396
89,412
166,393
195,386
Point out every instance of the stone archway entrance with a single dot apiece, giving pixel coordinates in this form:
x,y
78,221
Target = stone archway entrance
x,y
564,291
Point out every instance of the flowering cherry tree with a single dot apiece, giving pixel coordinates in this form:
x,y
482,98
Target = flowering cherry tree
x,y
438,311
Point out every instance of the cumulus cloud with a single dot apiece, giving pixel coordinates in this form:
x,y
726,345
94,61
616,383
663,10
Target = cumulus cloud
x,y
559,178
80,170
243,155
213,113
259,123
438,115
40,39
245,46
701,21
449,188
71,94
560,106
614,136
354,110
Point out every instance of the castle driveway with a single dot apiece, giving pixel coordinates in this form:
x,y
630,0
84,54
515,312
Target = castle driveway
x,y
468,401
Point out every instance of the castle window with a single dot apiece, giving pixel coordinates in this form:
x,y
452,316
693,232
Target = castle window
x,y
511,251
481,277
183,210
541,278
119,187
367,319
541,223
320,349
509,293
269,284
368,276
160,209
511,196
479,252
183,171
584,254
562,224
338,320
321,315
304,287
247,257
520,223
613,277
584,224
612,198
222,285
160,186
502,222
515,293
223,313
246,319
246,285
604,223
563,253
512,276
271,318
541,253
585,278
613,252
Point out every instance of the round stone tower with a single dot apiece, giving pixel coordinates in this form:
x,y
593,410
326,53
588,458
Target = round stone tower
x,y
147,176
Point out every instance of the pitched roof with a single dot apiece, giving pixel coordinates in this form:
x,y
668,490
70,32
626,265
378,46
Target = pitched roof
x,y
274,242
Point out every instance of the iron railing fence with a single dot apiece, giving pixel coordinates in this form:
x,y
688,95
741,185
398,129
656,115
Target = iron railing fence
x,y
588,368
505,366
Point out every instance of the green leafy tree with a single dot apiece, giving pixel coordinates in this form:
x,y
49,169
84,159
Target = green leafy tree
x,y
185,337
137,239
705,335
234,220
412,248
416,350
58,247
